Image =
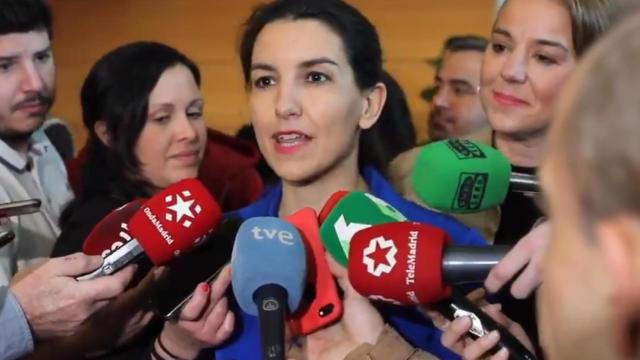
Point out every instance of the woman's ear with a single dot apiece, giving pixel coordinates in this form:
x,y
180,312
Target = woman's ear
x,y
100,128
619,240
373,104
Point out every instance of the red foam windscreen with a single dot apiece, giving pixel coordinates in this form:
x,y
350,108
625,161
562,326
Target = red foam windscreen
x,y
330,204
175,220
112,231
399,262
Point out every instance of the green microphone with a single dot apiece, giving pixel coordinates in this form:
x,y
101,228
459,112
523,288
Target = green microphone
x,y
350,213
461,176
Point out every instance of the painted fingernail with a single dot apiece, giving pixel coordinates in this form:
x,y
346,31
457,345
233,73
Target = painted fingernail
x,y
205,288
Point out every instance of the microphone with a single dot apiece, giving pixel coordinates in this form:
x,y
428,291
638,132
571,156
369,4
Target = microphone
x,y
462,176
269,268
346,214
402,263
172,222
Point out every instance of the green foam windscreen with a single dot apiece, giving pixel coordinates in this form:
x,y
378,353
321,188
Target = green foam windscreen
x,y
353,212
461,176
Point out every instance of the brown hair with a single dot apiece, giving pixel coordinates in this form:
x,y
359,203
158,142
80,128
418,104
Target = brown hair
x,y
597,138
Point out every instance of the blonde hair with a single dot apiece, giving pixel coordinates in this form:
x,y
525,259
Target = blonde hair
x,y
597,140
589,19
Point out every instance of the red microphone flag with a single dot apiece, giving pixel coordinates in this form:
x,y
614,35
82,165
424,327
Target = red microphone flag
x,y
399,262
175,220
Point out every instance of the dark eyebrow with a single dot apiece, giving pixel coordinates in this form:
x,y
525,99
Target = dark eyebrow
x,y
502,32
15,57
318,61
304,64
45,50
261,66
454,81
543,42
8,58
553,44
460,82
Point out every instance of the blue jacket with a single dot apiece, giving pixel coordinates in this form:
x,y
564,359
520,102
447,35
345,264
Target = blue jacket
x,y
414,327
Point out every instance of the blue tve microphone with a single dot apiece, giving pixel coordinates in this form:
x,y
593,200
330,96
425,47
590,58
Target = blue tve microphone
x,y
269,269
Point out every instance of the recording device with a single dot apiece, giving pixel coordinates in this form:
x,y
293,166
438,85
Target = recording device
x,y
183,274
170,223
462,176
269,269
321,304
21,207
482,324
403,263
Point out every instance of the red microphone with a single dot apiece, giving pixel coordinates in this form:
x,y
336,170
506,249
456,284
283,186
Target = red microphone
x,y
168,224
175,220
411,263
399,262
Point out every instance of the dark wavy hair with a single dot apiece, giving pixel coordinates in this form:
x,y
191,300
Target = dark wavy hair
x,y
116,91
361,43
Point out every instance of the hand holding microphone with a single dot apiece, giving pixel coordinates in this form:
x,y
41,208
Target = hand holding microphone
x,y
403,263
527,254
455,336
57,305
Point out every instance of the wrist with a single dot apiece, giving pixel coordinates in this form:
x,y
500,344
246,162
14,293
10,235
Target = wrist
x,y
171,345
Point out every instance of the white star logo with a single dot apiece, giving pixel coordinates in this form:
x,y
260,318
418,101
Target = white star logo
x,y
182,208
382,244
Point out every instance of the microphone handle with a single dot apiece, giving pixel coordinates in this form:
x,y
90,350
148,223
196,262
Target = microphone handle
x,y
6,236
271,300
526,183
459,306
470,264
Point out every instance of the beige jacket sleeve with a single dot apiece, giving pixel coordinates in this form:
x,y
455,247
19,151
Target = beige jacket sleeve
x,y
390,346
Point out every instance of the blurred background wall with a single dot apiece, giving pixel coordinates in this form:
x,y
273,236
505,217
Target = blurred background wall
x,y
208,31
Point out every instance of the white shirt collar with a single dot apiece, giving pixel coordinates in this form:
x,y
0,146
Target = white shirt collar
x,y
39,144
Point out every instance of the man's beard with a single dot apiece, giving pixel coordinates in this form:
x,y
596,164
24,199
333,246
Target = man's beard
x,y
13,136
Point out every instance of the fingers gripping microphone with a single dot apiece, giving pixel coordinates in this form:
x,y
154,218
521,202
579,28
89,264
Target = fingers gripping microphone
x,y
462,176
163,227
349,214
405,264
268,275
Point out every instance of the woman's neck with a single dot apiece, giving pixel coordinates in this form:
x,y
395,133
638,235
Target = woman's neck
x,y
315,194
522,151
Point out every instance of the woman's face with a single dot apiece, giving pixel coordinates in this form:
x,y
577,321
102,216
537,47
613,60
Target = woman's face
x,y
305,105
173,139
528,60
